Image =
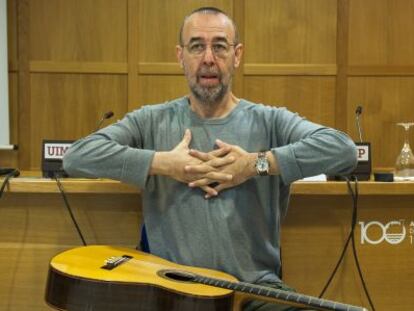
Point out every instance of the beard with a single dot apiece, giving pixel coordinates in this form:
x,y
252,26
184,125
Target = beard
x,y
209,95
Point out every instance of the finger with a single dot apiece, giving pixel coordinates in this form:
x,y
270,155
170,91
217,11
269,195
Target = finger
x,y
219,177
222,186
217,153
201,168
203,182
210,168
222,151
209,179
200,155
218,188
210,192
222,144
218,162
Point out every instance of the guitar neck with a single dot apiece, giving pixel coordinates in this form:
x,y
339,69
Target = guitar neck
x,y
277,295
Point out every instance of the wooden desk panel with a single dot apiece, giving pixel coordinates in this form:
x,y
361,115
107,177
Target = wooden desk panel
x,y
34,226
314,233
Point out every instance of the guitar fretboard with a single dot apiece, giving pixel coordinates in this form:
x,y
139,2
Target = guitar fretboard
x,y
277,294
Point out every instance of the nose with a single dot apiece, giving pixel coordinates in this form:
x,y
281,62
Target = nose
x,y
208,56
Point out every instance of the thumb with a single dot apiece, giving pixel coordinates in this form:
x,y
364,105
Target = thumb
x,y
185,142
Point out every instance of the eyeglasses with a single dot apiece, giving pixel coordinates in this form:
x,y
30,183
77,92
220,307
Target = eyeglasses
x,y
219,49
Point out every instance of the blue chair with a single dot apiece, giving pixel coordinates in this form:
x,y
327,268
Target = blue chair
x,y
143,244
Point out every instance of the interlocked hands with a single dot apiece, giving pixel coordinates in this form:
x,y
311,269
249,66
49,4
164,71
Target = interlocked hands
x,y
222,168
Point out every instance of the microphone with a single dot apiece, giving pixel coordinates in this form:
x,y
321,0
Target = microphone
x,y
358,112
107,115
363,168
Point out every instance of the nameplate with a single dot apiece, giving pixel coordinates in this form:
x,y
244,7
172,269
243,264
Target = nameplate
x,y
55,150
363,169
363,152
52,155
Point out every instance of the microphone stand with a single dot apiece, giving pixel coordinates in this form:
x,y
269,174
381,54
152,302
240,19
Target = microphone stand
x,y
358,113
105,116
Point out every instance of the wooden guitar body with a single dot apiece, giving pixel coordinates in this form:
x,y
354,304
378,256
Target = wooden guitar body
x,y
77,282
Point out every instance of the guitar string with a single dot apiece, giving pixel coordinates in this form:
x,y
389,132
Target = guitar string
x,y
241,286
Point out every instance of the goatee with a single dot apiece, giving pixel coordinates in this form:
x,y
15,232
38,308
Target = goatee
x,y
209,95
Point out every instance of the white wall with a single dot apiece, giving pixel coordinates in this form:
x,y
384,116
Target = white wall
x,y
4,89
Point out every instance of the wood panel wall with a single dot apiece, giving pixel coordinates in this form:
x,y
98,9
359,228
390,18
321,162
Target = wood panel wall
x,y
71,61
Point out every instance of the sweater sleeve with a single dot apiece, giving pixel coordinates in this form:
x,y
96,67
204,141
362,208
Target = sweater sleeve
x,y
308,149
113,152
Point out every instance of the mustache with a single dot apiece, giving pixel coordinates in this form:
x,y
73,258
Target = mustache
x,y
208,71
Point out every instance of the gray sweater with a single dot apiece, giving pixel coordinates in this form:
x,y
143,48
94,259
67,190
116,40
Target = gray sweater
x,y
237,231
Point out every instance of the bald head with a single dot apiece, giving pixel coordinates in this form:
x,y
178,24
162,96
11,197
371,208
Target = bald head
x,y
211,11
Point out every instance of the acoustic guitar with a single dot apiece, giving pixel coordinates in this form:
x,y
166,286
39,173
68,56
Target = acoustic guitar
x,y
108,278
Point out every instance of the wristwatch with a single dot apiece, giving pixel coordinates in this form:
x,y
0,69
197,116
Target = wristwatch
x,y
262,164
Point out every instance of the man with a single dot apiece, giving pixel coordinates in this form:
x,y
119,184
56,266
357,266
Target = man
x,y
214,169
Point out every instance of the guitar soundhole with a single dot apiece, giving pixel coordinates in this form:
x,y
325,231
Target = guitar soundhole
x,y
177,275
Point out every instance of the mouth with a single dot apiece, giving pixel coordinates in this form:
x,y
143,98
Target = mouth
x,y
208,79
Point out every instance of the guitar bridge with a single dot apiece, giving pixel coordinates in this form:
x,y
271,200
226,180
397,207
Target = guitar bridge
x,y
115,261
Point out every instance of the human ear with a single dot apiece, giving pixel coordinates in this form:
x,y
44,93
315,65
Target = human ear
x,y
179,54
238,54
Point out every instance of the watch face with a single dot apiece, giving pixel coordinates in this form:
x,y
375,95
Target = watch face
x,y
262,166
